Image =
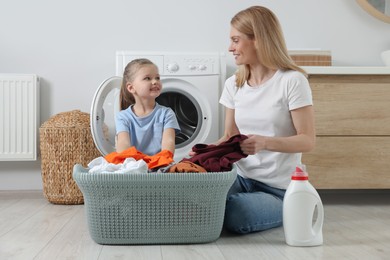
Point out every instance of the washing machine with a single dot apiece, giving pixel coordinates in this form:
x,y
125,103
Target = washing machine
x,y
192,83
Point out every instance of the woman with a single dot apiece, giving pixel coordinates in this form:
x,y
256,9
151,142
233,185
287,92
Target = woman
x,y
269,100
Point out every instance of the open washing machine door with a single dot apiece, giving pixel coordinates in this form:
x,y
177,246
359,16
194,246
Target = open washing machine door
x,y
105,105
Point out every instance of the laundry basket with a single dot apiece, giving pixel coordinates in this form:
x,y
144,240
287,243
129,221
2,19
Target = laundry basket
x,y
65,140
154,208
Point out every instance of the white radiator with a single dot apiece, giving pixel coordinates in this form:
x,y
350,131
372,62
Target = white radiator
x,y
19,117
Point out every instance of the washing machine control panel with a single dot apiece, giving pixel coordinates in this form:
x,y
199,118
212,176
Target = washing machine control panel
x,y
191,65
175,64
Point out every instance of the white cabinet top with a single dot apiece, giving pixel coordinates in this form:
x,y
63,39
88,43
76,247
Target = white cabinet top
x,y
332,70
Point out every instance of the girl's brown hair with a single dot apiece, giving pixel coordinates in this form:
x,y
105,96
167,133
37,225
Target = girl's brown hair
x,y
131,69
262,25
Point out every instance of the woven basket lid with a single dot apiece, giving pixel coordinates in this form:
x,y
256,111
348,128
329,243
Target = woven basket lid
x,y
71,119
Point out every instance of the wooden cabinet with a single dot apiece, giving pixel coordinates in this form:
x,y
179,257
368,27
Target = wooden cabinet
x,y
352,114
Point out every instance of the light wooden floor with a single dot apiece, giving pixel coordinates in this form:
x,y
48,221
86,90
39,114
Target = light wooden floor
x,y
357,226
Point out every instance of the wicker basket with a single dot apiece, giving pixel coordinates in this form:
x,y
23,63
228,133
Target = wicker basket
x,y
65,140
154,208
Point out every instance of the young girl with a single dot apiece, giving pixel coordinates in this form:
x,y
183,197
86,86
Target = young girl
x,y
142,122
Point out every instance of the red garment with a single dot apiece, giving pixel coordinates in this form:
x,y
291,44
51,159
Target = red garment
x,y
163,158
217,158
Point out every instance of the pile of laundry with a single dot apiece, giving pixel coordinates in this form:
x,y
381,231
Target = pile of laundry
x,y
207,158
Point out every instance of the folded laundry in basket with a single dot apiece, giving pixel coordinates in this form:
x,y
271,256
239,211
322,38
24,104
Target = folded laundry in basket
x,y
160,159
129,165
217,158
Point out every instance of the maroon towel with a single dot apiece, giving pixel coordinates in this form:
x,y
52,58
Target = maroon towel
x,y
218,158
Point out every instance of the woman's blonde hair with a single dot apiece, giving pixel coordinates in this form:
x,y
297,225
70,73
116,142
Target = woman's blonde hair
x,y
262,25
131,69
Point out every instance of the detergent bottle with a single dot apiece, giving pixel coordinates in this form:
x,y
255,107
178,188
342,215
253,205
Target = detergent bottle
x,y
300,203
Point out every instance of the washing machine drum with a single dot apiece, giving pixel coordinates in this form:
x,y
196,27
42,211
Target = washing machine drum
x,y
106,104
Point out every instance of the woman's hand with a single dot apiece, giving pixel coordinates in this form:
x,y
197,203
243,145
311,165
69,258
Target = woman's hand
x,y
253,144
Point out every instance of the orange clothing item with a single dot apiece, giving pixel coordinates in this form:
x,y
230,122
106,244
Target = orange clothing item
x,y
186,166
163,158
118,158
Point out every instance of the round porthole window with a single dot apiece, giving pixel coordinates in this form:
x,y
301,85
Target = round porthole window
x,y
188,114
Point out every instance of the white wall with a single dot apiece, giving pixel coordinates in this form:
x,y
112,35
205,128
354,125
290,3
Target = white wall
x,y
71,44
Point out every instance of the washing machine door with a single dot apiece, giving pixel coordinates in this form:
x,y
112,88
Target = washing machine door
x,y
105,105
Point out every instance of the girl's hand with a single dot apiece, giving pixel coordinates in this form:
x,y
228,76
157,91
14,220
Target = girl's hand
x,y
253,144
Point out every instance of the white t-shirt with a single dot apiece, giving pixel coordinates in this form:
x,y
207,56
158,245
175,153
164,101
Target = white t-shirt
x,y
265,110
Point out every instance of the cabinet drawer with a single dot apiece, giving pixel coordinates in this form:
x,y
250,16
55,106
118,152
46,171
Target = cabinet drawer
x,y
351,105
349,163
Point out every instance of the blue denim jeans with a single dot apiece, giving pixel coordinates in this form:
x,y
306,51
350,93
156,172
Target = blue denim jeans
x,y
253,206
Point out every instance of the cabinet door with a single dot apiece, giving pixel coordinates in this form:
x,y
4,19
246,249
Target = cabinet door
x,y
351,104
341,162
